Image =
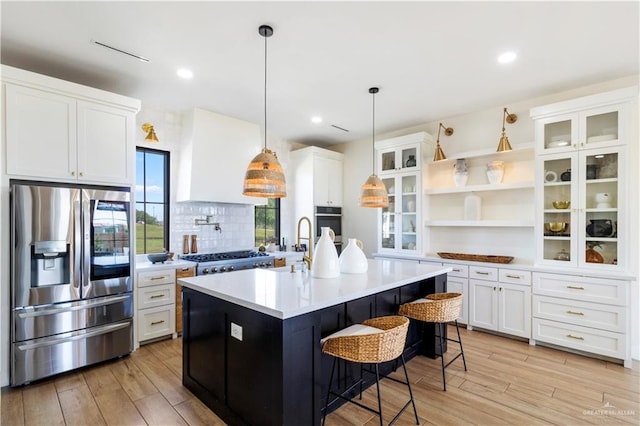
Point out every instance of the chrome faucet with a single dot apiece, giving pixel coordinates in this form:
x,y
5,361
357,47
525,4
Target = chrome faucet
x,y
306,258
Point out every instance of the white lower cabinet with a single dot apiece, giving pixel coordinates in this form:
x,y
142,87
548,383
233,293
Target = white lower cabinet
x,y
582,313
458,282
156,309
500,300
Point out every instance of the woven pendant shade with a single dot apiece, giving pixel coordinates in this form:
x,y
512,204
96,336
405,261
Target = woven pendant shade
x,y
265,177
374,193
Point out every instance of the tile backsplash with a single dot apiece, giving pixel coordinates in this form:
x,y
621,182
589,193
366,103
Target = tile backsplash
x,y
236,226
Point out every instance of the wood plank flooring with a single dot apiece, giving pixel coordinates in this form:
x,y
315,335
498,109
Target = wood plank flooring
x,y
508,382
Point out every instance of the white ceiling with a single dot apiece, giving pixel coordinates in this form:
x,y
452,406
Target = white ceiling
x,y
431,60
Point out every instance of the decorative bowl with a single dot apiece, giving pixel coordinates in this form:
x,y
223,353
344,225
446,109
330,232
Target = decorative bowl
x,y
561,204
157,257
555,226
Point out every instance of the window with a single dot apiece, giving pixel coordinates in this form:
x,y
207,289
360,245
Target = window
x,y
152,200
268,222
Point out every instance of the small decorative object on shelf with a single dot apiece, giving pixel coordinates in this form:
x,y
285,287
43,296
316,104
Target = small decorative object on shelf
x,y
472,207
592,171
495,171
600,228
591,255
460,172
411,162
185,244
194,243
566,176
476,257
603,200
411,206
562,255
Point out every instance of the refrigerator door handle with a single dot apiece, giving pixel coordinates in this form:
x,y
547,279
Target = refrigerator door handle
x,y
57,340
40,313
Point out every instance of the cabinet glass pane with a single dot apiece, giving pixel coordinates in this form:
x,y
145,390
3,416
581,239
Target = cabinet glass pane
x,y
388,160
557,210
601,218
409,158
388,216
602,127
557,134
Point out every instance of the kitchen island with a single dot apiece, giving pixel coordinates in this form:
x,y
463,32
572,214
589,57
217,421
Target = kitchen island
x,y
251,339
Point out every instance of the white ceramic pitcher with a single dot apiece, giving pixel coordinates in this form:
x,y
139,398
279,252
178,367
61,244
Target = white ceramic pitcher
x,y
352,258
325,262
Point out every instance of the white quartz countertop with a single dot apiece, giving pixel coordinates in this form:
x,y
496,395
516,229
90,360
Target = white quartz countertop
x,y
145,265
283,294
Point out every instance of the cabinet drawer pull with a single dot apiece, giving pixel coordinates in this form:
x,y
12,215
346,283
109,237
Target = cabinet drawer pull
x,y
457,270
571,336
494,289
155,296
575,287
575,313
514,276
482,273
157,278
185,269
157,322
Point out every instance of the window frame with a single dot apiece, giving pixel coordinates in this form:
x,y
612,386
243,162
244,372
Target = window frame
x,y
167,195
277,209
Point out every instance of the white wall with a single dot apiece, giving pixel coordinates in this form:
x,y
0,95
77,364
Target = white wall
x,y
477,131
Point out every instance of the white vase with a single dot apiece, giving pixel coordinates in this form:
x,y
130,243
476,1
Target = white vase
x,y
472,207
352,259
325,262
495,171
460,173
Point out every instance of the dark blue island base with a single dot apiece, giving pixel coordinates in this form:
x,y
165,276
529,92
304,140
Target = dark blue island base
x,y
277,375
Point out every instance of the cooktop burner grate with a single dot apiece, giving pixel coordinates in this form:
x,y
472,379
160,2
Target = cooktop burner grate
x,y
214,257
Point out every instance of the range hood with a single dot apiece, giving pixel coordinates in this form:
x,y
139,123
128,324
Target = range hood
x,y
216,150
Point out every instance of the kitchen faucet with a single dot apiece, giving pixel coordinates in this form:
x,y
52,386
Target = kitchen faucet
x,y
305,258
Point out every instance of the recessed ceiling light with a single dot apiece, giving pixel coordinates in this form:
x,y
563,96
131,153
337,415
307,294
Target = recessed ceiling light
x,y
185,73
507,57
316,119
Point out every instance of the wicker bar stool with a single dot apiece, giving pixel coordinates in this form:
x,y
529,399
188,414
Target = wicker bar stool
x,y
374,341
438,308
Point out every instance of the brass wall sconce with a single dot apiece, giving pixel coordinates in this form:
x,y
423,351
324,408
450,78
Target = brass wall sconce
x,y
504,145
151,134
439,154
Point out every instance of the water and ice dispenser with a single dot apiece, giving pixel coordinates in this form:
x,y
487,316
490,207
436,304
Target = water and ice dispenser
x,y
50,263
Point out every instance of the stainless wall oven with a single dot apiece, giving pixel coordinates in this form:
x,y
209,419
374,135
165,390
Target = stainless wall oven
x,y
330,217
71,287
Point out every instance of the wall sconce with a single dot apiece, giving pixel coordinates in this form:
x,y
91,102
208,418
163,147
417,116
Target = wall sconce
x,y
151,134
504,144
439,154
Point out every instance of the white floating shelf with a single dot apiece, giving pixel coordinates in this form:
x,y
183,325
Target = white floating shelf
x,y
481,223
479,188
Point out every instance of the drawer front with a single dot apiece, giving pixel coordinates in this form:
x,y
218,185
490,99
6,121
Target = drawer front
x,y
156,322
164,276
599,290
156,295
186,272
461,271
587,314
515,276
483,273
585,339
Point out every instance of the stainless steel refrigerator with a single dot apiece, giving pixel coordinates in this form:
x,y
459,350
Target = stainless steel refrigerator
x,y
71,285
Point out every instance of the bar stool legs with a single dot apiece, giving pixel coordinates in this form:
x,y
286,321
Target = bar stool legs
x,y
376,372
441,333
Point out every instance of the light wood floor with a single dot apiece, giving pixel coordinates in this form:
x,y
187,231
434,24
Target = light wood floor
x,y
508,382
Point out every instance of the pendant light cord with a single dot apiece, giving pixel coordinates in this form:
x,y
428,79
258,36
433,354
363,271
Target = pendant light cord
x,y
373,138
265,92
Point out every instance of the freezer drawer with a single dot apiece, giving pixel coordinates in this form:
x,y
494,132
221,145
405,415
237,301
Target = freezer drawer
x,y
39,358
42,321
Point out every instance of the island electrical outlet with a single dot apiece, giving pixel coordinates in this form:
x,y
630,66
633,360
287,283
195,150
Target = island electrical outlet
x,y
236,331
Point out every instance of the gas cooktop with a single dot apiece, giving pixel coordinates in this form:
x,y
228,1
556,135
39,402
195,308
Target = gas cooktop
x,y
213,257
211,263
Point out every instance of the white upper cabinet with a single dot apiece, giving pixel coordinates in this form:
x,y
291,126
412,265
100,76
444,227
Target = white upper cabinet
x,y
327,181
213,161
56,130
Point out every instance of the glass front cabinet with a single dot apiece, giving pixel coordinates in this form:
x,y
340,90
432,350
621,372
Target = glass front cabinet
x,y
399,165
581,193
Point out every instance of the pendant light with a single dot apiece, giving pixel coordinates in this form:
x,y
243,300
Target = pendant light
x,y
374,193
439,154
265,177
504,145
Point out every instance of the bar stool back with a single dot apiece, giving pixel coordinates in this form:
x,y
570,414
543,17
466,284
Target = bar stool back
x,y
374,341
438,308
